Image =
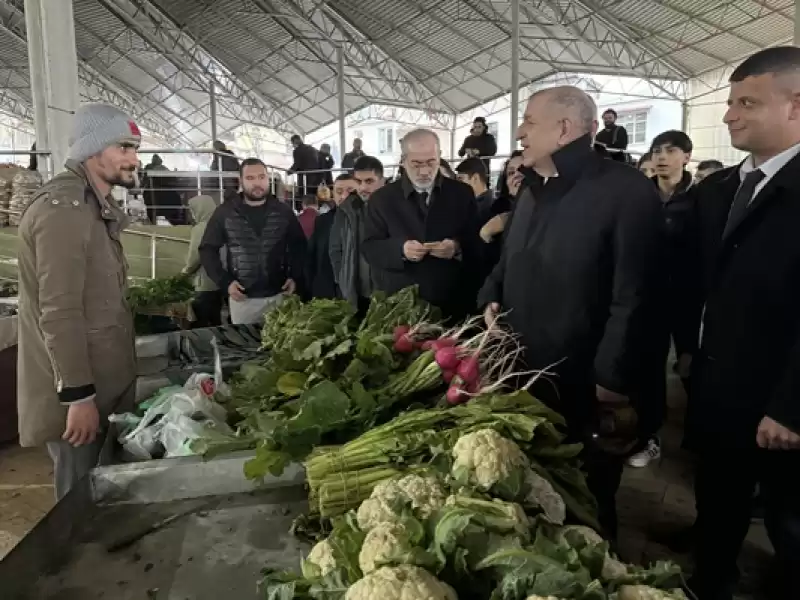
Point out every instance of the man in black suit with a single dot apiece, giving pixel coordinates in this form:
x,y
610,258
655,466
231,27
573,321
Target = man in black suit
x,y
581,279
423,230
744,415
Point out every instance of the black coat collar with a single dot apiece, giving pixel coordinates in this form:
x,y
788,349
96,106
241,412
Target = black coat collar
x,y
569,160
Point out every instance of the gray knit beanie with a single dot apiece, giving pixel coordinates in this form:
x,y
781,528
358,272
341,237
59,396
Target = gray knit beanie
x,y
98,126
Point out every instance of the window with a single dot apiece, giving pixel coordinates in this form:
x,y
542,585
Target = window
x,y
493,128
385,140
635,124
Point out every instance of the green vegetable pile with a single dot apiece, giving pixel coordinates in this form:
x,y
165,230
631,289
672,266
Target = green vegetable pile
x,y
327,378
158,293
474,501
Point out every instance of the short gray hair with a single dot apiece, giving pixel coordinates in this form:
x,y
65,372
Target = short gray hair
x,y
576,101
416,134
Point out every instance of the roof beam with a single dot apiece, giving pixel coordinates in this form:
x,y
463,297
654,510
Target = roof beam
x,y
159,30
390,68
14,24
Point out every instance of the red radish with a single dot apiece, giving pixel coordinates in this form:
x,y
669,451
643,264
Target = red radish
x,y
455,395
469,369
443,343
447,359
400,331
474,387
427,345
404,345
448,376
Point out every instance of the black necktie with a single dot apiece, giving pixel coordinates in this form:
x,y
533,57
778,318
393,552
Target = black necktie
x,y
742,199
422,199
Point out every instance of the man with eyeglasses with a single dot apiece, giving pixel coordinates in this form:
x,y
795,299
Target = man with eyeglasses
x,y
423,230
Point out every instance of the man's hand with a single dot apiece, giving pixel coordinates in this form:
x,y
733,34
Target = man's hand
x,y
605,396
684,365
493,227
774,436
236,292
490,314
83,423
445,249
289,287
414,250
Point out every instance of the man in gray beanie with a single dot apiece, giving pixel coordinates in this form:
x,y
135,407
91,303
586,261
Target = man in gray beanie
x,y
76,361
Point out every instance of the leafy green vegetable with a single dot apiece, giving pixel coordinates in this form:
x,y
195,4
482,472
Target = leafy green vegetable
x,y
157,293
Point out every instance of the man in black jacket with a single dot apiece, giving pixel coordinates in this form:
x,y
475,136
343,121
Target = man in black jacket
x,y
580,276
473,172
670,152
265,247
612,140
306,158
423,230
326,163
479,143
350,268
744,413
319,269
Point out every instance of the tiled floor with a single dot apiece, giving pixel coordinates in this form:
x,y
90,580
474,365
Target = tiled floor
x,y
26,492
652,498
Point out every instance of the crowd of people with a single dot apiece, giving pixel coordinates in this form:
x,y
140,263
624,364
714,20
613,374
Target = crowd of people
x,y
597,266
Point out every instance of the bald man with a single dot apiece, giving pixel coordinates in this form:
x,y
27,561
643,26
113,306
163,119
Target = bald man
x,y
579,279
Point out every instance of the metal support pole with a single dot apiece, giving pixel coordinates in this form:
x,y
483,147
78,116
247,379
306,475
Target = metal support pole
x,y
685,116
33,25
453,137
153,260
342,110
514,73
212,111
797,22
53,31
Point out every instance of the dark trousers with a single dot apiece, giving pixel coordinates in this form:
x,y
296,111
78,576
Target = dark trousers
x,y
725,482
207,307
578,403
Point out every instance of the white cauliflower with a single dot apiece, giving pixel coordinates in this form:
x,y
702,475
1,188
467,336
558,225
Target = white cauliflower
x,y
424,494
386,542
488,457
320,561
540,493
405,582
643,592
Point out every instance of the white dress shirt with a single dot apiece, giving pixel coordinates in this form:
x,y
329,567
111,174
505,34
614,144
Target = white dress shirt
x,y
770,168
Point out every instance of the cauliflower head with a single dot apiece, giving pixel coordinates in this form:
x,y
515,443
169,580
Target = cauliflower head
x,y
404,582
385,543
424,494
320,561
487,457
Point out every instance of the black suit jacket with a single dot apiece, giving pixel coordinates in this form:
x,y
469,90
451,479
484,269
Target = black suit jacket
x,y
394,217
746,286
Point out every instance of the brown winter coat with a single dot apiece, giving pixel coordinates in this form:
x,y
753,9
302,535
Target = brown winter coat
x,y
75,327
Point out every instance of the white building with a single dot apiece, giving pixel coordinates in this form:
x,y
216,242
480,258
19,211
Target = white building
x,y
381,128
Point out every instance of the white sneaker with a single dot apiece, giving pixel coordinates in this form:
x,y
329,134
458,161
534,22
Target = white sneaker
x,y
650,453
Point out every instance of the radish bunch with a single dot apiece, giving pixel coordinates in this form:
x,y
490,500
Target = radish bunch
x,y
470,367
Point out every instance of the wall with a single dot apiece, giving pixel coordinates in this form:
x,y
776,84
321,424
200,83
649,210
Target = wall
x,y
707,105
659,115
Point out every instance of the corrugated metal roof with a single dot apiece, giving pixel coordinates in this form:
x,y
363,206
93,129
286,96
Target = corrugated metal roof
x,y
275,61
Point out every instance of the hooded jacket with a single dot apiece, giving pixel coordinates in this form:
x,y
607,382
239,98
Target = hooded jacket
x,y
201,207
